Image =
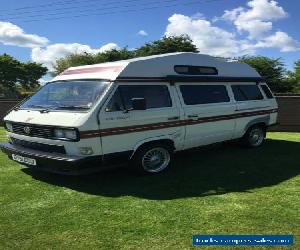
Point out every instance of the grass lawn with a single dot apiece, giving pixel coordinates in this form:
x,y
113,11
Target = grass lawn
x,y
215,190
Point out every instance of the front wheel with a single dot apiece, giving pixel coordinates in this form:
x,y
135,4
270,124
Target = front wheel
x,y
254,137
153,158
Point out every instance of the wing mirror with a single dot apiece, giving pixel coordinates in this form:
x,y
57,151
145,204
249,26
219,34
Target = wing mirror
x,y
138,103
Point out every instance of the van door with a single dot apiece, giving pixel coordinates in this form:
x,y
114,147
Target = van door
x,y
208,112
123,129
249,101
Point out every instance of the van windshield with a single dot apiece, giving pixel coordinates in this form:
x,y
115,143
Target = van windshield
x,y
66,95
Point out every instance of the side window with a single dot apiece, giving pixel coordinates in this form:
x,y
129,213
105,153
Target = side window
x,y
156,96
267,91
203,94
115,103
246,92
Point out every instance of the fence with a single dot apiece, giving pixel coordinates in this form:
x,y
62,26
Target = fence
x,y
288,116
5,106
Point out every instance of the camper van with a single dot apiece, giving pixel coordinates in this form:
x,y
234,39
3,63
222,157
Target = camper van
x,y
138,111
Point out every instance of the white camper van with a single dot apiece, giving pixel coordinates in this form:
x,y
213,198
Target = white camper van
x,y
140,110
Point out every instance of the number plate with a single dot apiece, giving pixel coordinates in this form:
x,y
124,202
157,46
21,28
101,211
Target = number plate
x,y
25,160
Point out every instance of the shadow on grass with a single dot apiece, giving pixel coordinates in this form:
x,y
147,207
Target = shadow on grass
x,y
207,171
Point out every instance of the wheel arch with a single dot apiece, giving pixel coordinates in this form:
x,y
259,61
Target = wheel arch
x,y
262,121
167,141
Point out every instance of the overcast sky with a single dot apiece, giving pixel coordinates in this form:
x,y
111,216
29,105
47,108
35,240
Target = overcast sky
x,y
43,31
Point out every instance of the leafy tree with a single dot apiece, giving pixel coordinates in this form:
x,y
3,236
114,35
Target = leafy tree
x,y
273,70
30,73
293,77
114,55
167,45
164,45
297,71
9,71
73,60
13,72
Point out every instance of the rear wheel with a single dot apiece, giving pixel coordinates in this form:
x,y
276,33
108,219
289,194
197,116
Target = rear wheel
x,y
254,137
153,158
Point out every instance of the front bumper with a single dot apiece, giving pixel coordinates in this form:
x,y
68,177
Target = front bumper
x,y
55,162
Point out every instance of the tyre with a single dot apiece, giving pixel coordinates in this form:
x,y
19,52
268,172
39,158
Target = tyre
x,y
152,158
254,136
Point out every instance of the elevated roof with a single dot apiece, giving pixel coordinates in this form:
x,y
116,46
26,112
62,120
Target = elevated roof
x,y
158,66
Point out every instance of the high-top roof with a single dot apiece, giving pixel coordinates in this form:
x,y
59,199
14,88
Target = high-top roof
x,y
157,66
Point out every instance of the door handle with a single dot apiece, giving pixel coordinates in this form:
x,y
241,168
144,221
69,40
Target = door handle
x,y
173,118
192,116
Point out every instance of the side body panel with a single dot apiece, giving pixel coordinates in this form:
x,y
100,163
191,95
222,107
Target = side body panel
x,y
126,131
263,111
207,123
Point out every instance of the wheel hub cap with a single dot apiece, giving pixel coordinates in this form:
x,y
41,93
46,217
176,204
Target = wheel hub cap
x,y
256,137
156,160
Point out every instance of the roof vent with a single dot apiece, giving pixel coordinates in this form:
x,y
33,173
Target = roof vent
x,y
195,70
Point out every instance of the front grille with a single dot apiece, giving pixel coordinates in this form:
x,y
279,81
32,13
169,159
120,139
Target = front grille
x,y
32,130
39,146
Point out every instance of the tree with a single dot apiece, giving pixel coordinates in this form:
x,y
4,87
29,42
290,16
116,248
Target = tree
x,y
273,71
297,71
30,73
167,45
9,71
114,55
73,60
14,72
164,45
294,77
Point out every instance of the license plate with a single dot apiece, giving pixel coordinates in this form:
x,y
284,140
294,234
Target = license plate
x,y
25,160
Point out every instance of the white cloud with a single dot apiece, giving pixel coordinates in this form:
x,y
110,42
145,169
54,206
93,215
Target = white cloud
x,y
106,47
209,39
48,55
198,15
280,40
256,19
11,34
142,33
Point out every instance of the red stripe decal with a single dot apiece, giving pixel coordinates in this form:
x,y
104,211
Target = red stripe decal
x,y
161,125
92,70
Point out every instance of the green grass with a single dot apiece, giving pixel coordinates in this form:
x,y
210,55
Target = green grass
x,y
221,189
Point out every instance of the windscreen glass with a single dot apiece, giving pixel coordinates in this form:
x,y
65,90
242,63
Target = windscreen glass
x,y
66,95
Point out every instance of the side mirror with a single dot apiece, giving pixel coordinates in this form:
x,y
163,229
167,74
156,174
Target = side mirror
x,y
138,103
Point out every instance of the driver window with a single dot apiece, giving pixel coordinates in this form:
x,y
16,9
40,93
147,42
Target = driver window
x,y
156,96
115,103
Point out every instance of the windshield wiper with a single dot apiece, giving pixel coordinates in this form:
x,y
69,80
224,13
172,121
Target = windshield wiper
x,y
41,108
72,107
37,106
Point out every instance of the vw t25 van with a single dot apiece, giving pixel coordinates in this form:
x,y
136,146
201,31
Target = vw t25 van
x,y
140,110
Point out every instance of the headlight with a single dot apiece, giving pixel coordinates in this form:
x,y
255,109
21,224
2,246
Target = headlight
x,y
69,134
9,126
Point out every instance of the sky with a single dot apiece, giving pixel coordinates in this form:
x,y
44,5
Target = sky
x,y
43,31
